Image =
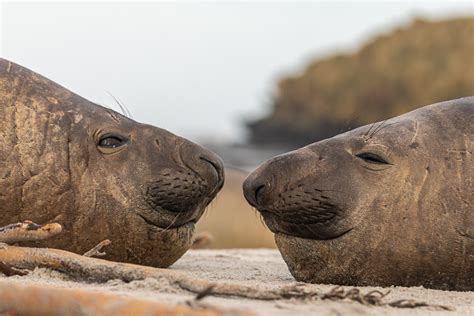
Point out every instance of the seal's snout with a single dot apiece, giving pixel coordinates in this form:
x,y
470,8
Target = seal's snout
x,y
180,192
293,203
189,185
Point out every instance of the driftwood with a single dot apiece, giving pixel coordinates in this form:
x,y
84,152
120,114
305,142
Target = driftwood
x,y
97,250
24,299
89,269
96,270
28,231
99,270
9,271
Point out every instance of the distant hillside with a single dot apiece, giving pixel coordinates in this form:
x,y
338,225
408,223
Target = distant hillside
x,y
420,64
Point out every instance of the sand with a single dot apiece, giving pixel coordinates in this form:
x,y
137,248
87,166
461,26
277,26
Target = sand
x,y
255,267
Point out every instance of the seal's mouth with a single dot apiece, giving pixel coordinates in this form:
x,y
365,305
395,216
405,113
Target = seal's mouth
x,y
306,224
339,236
173,226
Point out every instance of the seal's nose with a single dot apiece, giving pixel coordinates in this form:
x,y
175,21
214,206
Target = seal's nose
x,y
208,165
257,189
214,162
263,186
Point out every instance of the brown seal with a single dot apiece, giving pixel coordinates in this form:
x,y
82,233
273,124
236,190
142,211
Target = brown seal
x,y
390,203
97,173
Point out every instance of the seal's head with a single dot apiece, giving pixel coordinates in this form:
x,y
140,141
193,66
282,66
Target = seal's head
x,y
390,203
99,174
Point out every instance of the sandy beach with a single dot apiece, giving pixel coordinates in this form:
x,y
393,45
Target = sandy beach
x,y
260,268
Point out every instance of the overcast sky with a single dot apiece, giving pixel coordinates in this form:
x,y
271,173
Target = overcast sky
x,y
197,69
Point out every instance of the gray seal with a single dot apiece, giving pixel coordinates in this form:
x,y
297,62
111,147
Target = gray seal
x,y
97,173
390,203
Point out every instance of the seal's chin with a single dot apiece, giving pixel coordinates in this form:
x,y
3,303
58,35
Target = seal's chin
x,y
314,261
159,244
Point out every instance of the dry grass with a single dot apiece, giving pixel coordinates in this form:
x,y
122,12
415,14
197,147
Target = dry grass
x,y
232,222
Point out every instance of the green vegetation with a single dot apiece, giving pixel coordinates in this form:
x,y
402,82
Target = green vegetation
x,y
423,63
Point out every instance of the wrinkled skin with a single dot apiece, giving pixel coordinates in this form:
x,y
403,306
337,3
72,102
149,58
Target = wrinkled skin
x,y
97,173
384,204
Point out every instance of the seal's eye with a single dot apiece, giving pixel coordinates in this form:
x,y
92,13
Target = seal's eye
x,y
372,158
111,143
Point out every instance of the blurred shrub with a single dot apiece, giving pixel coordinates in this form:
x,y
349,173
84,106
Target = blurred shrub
x,y
423,63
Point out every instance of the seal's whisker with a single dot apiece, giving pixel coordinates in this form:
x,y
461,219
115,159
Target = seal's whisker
x,y
170,225
122,106
371,126
383,128
377,128
260,217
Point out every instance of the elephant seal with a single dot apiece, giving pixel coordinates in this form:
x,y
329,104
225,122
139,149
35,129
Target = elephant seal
x,y
390,203
99,174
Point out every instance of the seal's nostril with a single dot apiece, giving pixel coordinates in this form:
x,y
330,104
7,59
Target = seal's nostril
x,y
217,165
255,191
211,163
258,191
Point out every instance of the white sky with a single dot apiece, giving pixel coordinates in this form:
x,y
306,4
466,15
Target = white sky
x,y
197,69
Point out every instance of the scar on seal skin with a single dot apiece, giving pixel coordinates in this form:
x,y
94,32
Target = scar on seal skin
x,y
391,203
98,174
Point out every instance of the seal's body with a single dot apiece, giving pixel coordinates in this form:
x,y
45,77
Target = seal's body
x,y
97,173
390,203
